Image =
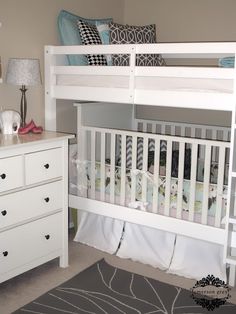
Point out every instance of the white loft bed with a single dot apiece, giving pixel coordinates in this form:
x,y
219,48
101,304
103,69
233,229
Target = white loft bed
x,y
198,87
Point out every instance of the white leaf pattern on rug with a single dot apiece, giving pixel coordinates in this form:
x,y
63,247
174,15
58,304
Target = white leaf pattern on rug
x,y
104,289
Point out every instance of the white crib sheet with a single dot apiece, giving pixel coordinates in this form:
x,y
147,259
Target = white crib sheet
x,y
161,188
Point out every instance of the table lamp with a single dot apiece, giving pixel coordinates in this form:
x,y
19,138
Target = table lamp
x,y
24,72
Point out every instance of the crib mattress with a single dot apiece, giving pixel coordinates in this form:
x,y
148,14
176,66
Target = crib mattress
x,y
75,189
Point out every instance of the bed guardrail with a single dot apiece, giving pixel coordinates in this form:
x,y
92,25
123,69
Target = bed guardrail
x,y
131,84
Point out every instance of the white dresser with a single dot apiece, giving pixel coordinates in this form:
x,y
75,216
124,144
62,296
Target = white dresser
x,y
33,201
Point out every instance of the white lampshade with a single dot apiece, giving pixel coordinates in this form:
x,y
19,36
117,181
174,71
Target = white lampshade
x,y
23,72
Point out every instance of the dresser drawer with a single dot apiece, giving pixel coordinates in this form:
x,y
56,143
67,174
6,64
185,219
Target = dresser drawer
x,y
30,203
44,165
11,173
28,242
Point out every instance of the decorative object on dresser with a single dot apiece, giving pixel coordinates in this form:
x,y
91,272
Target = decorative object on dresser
x,y
23,72
33,201
30,127
9,121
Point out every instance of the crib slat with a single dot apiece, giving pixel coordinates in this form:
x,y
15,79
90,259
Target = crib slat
x,y
134,166
156,175
145,166
93,163
202,147
226,136
123,169
102,183
168,177
207,165
192,189
82,182
112,168
180,180
214,148
220,182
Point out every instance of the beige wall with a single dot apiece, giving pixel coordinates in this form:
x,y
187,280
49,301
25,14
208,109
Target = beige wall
x,y
185,20
180,21
28,25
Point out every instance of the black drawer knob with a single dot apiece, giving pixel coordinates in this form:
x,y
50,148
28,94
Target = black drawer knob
x,y
5,253
47,236
4,212
47,199
46,166
3,176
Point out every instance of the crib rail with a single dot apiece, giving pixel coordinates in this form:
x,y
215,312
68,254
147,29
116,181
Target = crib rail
x,y
189,130
111,171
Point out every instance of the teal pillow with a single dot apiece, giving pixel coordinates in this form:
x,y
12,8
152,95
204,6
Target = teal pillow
x,y
104,33
69,33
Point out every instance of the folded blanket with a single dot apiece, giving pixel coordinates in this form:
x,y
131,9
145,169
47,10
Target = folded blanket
x,y
227,62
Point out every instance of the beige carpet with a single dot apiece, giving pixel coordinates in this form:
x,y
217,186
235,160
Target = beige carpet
x,y
23,289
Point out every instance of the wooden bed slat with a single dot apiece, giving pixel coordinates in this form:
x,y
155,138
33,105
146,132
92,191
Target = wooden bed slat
x,y
220,182
193,175
134,166
168,178
93,163
180,180
123,169
156,174
112,168
206,181
145,168
102,184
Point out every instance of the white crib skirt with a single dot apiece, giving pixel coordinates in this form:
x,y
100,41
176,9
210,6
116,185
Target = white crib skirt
x,y
147,245
100,232
196,259
177,254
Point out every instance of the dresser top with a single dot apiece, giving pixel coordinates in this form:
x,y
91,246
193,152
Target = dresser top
x,y
7,141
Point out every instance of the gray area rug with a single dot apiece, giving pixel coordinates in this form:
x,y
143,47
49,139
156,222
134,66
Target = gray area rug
x,y
102,288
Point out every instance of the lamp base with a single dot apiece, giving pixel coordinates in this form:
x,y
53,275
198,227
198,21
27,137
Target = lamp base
x,y
23,105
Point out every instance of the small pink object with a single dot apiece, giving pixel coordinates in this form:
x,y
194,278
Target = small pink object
x,y
30,127
37,130
27,128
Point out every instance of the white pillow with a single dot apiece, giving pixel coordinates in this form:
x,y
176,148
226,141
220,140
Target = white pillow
x,y
101,232
147,245
196,259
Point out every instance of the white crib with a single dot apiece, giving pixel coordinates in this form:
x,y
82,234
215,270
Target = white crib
x,y
106,154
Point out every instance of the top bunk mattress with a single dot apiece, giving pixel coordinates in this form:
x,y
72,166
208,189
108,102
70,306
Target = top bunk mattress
x,y
148,83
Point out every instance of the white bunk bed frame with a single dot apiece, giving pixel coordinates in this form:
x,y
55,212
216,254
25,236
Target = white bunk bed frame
x,y
132,94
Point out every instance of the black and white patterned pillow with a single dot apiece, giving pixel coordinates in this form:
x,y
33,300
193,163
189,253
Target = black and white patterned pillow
x,y
90,36
139,153
127,34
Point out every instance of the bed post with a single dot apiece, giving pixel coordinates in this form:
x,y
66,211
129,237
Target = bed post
x,y
50,102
